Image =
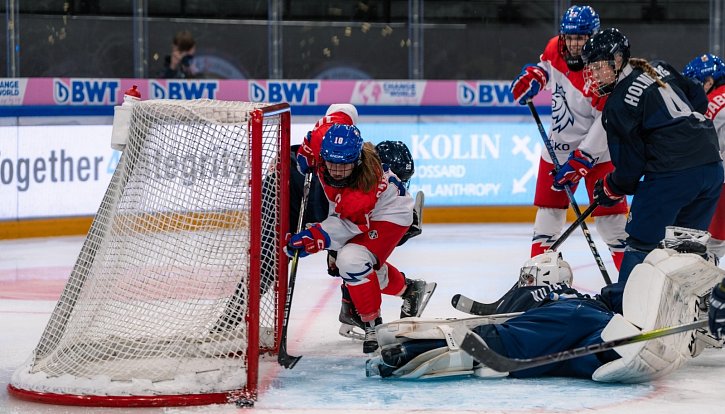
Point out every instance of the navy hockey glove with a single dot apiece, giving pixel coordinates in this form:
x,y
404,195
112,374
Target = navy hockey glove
x,y
604,194
310,240
716,313
305,157
530,81
576,167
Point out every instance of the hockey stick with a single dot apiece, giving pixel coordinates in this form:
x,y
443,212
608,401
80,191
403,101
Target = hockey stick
x,y
565,235
283,358
474,346
572,201
465,304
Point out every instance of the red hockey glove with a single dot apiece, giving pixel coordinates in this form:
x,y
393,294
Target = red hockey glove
x,y
530,81
305,156
310,240
576,167
604,194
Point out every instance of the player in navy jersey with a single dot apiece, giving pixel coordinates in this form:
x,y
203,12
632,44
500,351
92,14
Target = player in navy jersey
x,y
665,152
576,135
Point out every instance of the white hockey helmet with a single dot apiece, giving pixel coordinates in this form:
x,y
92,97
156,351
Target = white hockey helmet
x,y
545,269
347,109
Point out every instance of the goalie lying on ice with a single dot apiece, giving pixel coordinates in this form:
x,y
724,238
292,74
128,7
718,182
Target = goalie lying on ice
x,y
665,290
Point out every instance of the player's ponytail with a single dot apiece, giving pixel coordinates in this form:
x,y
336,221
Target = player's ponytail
x,y
371,170
646,68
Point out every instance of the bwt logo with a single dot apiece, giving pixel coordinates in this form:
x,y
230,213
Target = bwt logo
x,y
183,89
85,91
485,93
292,92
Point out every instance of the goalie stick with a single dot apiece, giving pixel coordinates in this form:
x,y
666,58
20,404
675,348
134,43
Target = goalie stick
x,y
472,307
474,346
283,358
572,201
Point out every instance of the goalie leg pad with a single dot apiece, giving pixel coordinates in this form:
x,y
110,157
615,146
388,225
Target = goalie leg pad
x,y
662,291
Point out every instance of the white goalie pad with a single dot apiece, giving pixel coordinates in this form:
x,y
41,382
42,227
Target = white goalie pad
x,y
662,291
436,363
403,330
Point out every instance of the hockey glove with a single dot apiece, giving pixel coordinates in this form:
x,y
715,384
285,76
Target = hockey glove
x,y
530,81
310,240
305,156
576,167
604,194
716,313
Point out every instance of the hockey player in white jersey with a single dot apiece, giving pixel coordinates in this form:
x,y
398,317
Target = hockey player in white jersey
x,y
370,211
663,291
576,135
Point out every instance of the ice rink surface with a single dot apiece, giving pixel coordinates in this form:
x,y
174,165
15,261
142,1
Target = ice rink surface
x,y
481,261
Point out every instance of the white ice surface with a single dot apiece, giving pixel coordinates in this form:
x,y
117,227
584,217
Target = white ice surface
x,y
480,261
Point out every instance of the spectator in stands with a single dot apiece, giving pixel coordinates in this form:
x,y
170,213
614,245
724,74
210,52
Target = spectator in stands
x,y
179,64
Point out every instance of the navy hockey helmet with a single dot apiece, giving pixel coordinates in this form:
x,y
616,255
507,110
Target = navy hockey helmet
x,y
397,156
340,149
577,20
704,67
605,46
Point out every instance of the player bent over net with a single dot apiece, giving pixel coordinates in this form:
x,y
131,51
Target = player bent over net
x,y
663,291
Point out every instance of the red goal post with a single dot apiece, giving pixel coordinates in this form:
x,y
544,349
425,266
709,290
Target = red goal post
x,y
182,269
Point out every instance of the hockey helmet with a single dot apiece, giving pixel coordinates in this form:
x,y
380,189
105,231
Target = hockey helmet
x,y
577,20
397,156
347,109
704,67
340,149
604,48
545,269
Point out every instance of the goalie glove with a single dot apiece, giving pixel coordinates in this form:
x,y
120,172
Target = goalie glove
x,y
716,313
530,81
576,167
604,194
310,240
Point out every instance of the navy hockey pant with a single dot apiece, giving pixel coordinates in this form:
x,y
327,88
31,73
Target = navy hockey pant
x,y
554,327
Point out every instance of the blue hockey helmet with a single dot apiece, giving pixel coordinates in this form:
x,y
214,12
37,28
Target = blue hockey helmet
x,y
341,149
397,156
577,21
341,144
581,20
705,66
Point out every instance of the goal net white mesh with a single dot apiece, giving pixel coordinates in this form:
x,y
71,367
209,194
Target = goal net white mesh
x,y
158,300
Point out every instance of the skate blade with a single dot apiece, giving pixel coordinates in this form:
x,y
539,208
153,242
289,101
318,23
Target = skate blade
x,y
348,331
429,289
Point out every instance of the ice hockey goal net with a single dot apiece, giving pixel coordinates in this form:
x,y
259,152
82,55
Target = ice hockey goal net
x,y
181,280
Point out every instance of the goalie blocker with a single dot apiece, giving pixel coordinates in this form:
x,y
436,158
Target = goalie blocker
x,y
663,291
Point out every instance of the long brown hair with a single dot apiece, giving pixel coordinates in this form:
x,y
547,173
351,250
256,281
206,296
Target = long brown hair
x,y
371,170
646,68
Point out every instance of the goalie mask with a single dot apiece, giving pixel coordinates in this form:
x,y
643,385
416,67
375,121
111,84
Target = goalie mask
x,y
579,23
544,270
397,156
340,151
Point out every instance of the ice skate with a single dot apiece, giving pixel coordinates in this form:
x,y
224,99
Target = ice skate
x,y
416,296
351,324
370,343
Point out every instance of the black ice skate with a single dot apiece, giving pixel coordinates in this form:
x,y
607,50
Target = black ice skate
x,y
352,326
370,344
416,297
